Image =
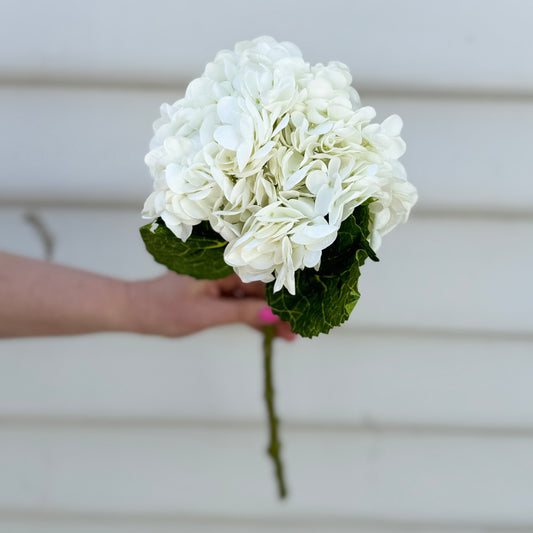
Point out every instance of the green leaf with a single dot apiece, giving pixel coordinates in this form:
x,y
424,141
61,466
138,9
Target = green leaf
x,y
201,256
325,298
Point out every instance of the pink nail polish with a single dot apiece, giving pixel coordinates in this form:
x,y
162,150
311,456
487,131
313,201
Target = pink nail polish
x,y
266,316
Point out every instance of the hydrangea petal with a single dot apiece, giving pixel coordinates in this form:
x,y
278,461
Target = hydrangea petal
x,y
227,137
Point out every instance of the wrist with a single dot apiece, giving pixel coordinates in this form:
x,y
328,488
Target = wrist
x,y
130,317
111,310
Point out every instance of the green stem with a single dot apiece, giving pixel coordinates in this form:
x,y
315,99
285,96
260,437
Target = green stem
x,y
274,445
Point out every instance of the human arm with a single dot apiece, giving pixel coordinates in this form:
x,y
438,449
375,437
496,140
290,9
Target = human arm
x,y
41,298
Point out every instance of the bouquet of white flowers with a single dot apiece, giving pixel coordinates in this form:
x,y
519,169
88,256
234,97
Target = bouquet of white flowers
x,y
270,167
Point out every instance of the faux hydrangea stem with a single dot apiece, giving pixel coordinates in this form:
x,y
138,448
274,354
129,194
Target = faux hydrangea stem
x,y
274,446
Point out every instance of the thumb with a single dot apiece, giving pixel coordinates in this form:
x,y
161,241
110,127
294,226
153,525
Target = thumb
x,y
250,311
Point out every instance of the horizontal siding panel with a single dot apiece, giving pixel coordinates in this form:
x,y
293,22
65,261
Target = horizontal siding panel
x,y
409,44
385,476
89,146
86,146
435,273
135,523
451,273
466,154
344,380
18,235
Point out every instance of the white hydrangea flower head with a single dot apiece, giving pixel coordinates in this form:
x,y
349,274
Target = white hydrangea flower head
x,y
275,154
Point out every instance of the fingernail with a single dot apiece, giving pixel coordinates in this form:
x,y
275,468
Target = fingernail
x,y
266,316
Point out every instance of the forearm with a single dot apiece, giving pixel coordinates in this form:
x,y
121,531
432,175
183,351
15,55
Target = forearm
x,y
40,298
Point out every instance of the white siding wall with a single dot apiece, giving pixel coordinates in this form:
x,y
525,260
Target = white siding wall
x,y
415,416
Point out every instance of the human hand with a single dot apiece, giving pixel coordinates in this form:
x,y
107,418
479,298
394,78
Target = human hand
x,y
173,305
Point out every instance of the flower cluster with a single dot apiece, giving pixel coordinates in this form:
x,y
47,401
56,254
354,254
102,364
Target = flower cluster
x,y
275,154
